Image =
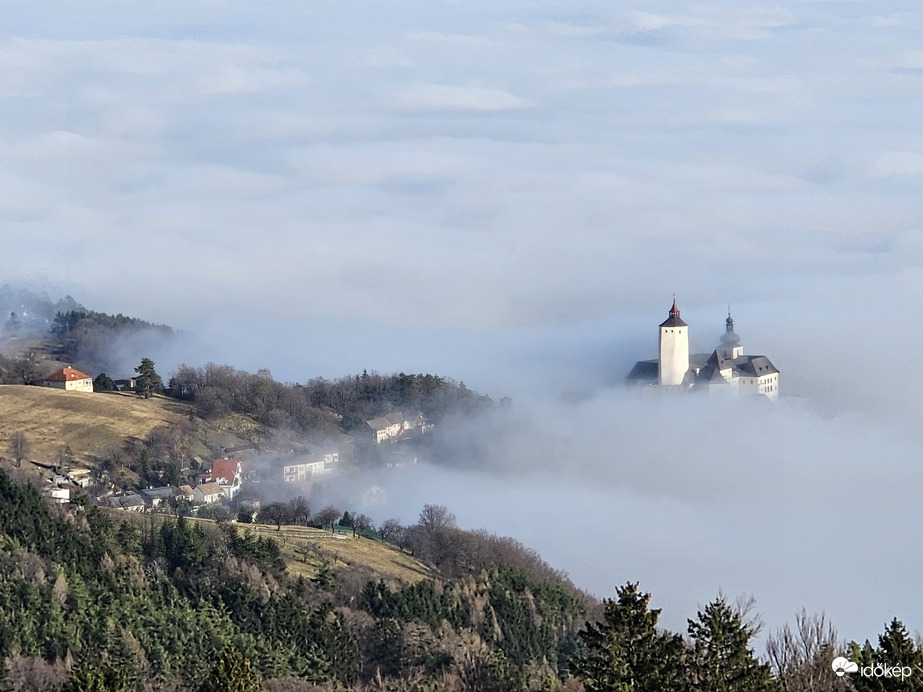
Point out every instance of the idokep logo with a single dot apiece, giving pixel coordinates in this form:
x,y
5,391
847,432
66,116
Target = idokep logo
x,y
842,665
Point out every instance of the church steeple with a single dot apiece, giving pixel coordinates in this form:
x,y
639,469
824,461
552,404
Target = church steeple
x,y
674,320
730,342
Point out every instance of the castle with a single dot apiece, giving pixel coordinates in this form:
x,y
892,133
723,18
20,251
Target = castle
x,y
726,369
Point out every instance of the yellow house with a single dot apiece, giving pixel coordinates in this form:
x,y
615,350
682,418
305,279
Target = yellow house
x,y
70,380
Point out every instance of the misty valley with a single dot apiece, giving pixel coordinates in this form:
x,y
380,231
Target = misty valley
x,y
214,529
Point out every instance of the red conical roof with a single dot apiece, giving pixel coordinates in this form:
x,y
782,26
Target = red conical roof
x,y
674,319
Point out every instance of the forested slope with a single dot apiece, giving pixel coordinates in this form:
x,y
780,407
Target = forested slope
x,y
156,605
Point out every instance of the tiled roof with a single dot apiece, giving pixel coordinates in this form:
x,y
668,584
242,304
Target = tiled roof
x,y
159,493
379,423
210,489
67,374
224,470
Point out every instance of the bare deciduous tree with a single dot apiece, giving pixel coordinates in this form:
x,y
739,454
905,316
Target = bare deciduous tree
x,y
305,550
389,528
363,522
300,511
19,446
327,516
27,370
277,513
24,674
435,518
801,656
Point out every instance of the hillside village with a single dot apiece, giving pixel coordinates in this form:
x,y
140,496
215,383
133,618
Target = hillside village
x,y
233,484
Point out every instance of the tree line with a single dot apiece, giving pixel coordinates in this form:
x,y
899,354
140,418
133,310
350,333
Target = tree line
x,y
218,390
96,601
626,650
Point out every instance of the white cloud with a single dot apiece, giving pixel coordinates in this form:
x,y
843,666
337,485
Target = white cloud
x,y
465,42
387,57
577,30
891,20
370,165
454,97
240,80
714,23
897,163
910,60
650,21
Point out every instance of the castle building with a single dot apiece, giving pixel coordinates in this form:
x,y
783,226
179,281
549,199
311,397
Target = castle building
x,y
725,370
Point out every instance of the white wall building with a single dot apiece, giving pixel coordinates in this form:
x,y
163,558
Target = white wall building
x,y
673,361
725,370
304,469
399,425
69,380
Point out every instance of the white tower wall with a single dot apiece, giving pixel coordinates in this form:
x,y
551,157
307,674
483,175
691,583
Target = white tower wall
x,y
674,355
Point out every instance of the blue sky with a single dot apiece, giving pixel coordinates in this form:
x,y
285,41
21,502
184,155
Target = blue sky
x,y
509,193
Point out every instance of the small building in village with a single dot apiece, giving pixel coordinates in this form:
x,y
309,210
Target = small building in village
x,y
155,497
80,477
305,468
226,472
130,502
185,492
374,496
208,493
69,380
399,425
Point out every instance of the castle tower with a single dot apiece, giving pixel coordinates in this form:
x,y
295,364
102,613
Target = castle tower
x,y
730,343
673,363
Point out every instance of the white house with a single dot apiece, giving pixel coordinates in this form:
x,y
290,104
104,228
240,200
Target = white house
x,y
303,469
69,380
58,495
208,493
386,427
398,425
130,502
374,497
725,370
80,477
226,473
154,497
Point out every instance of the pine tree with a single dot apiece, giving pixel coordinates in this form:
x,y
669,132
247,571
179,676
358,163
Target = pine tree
x,y
895,649
149,382
103,383
625,652
90,678
721,657
232,674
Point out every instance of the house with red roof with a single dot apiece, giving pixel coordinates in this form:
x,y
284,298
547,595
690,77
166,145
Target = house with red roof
x,y
226,473
69,380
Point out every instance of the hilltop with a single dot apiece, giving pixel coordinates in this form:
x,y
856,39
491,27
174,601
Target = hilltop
x,y
308,551
91,424
87,423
